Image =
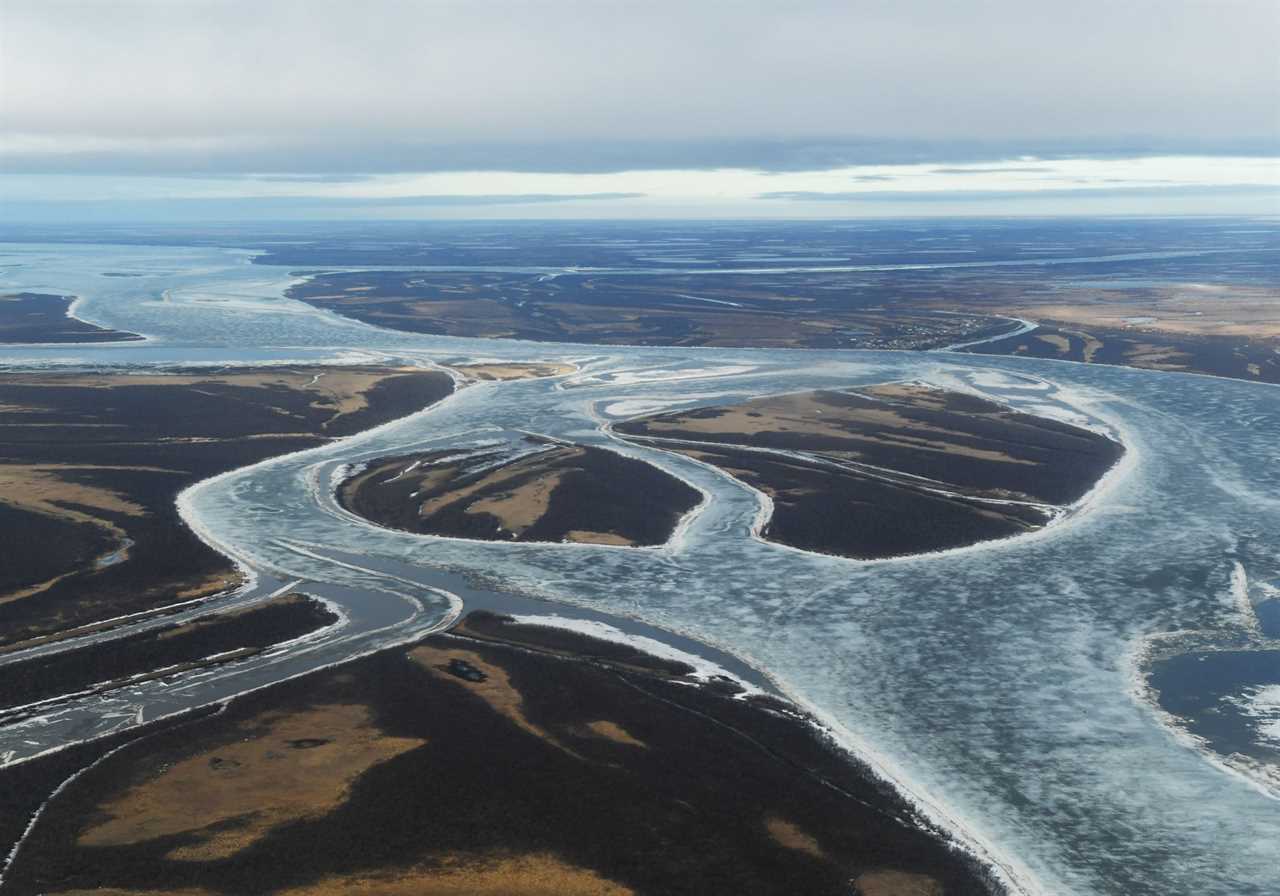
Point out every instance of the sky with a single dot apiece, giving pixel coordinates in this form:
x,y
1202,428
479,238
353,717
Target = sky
x,y
188,110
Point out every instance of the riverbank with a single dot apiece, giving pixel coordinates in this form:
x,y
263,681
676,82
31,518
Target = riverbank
x,y
503,756
91,465
39,318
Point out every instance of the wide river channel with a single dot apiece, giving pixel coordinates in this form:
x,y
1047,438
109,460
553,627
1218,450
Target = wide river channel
x,y
1001,686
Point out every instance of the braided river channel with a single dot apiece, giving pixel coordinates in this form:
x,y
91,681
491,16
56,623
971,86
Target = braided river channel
x,y
1003,687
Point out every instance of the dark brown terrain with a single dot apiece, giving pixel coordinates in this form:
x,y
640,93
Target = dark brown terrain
x,y
174,648
558,492
643,310
889,470
1231,331
498,759
90,465
37,317
1150,349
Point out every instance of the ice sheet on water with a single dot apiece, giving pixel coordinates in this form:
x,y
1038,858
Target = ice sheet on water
x,y
996,681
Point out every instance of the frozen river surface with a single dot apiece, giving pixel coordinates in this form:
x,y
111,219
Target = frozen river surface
x,y
999,685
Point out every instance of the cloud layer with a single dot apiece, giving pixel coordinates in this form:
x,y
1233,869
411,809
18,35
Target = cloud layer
x,y
382,85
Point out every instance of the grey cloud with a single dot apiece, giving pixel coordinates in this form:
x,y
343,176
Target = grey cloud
x,y
272,177
334,161
269,207
997,169
310,178
576,85
965,196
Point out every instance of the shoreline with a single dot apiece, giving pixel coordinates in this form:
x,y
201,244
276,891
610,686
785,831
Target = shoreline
x,y
857,753
1111,476
860,752
580,655
1016,882
72,310
1140,656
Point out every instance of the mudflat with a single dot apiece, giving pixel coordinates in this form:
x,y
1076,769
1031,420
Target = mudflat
x,y
503,371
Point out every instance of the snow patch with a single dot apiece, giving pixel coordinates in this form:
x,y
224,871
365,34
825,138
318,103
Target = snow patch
x,y
704,669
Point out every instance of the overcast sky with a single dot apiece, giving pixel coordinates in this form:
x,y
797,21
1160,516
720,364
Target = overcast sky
x,y
653,108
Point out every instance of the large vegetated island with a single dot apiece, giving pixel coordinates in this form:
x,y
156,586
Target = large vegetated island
x,y
1096,316
881,471
889,470
537,490
795,311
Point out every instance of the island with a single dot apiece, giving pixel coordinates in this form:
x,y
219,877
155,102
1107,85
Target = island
x,y
536,490
799,311
889,470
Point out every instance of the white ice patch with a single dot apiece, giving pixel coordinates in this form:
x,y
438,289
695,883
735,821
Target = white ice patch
x,y
635,406
1270,731
343,472
632,407
993,379
704,669
705,299
1061,414
1024,327
659,375
409,469
1262,704
1240,597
